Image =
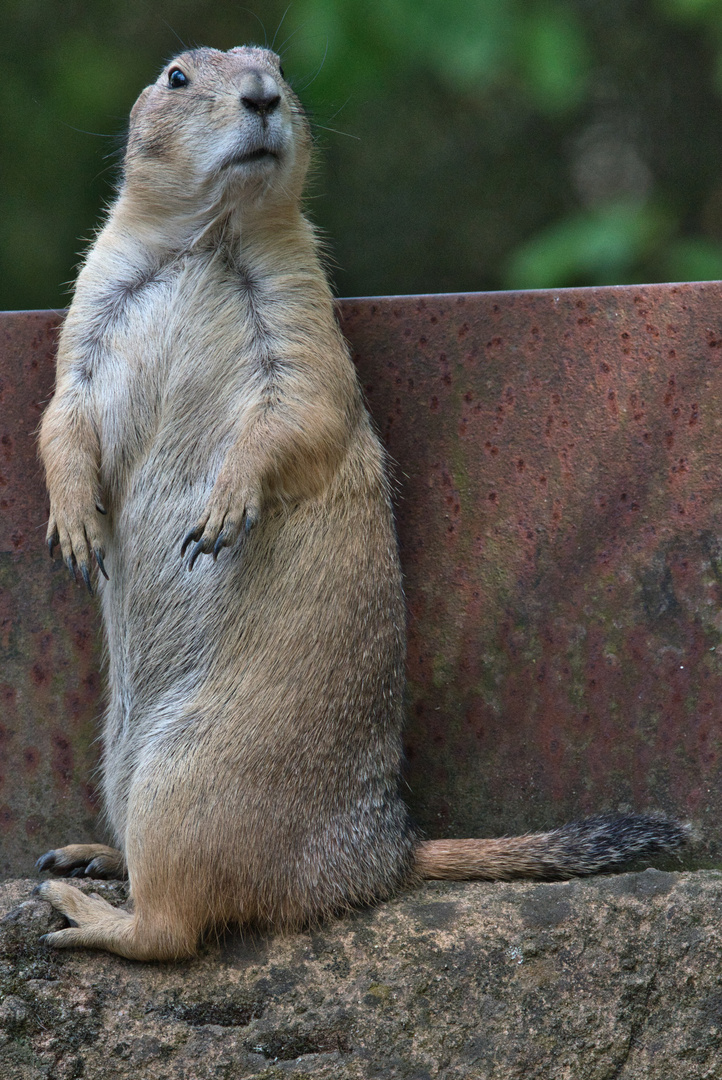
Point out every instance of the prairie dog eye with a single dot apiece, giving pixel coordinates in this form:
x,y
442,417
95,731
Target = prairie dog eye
x,y
280,72
176,78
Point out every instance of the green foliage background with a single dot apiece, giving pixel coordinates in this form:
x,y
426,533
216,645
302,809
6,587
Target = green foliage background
x,y
463,144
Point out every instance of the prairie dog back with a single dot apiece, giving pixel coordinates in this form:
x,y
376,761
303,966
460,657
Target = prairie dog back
x,y
208,451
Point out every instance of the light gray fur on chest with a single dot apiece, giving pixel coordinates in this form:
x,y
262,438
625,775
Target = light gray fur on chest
x,y
177,364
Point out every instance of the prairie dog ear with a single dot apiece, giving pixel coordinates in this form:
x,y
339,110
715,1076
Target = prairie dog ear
x,y
140,102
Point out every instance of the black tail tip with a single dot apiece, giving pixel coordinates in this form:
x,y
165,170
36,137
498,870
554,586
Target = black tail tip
x,y
607,841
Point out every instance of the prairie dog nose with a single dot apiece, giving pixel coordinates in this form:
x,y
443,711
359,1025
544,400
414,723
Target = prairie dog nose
x,y
259,92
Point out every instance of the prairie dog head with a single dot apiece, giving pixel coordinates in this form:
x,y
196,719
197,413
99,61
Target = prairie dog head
x,y
217,131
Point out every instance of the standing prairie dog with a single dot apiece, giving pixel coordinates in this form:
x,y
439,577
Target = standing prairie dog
x,y
208,448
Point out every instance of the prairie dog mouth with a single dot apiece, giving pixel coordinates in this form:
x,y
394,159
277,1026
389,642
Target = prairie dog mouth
x,y
261,154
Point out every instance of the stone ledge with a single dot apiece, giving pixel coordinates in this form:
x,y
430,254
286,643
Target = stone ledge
x,y
612,978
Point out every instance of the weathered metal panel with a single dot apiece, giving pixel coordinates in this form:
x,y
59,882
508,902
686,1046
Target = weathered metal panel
x,y
560,516
50,685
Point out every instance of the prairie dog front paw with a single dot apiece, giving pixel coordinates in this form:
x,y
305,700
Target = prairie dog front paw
x,y
76,527
228,513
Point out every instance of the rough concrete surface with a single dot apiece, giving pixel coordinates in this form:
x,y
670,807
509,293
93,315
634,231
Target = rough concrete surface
x,y
614,978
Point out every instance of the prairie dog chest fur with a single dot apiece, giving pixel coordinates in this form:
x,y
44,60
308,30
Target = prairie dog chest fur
x,y
208,332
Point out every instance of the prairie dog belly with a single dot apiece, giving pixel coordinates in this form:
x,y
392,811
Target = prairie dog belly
x,y
175,390
244,656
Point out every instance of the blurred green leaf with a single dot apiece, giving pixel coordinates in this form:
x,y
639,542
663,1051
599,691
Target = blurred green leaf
x,y
596,247
692,9
86,76
693,260
554,57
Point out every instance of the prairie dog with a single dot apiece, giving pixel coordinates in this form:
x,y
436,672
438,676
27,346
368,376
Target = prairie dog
x,y
208,450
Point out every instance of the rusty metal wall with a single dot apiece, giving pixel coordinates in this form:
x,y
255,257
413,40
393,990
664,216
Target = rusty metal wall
x,y
557,459
50,679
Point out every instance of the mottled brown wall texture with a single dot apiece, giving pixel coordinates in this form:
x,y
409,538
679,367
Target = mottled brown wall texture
x,y
559,500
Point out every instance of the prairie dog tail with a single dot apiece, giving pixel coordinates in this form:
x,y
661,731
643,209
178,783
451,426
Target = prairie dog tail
x,y
590,846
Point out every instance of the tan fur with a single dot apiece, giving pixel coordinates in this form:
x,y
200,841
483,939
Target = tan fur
x,y
484,860
97,860
252,738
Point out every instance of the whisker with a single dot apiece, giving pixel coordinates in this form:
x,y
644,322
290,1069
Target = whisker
x,y
280,24
81,131
166,23
341,108
107,169
323,61
337,132
249,11
291,35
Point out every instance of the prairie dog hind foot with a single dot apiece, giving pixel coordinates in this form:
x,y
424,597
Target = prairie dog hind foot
x,y
96,924
83,860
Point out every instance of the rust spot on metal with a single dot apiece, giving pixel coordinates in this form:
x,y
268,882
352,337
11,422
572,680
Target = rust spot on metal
x,y
8,818
33,826
91,797
38,675
31,758
62,757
